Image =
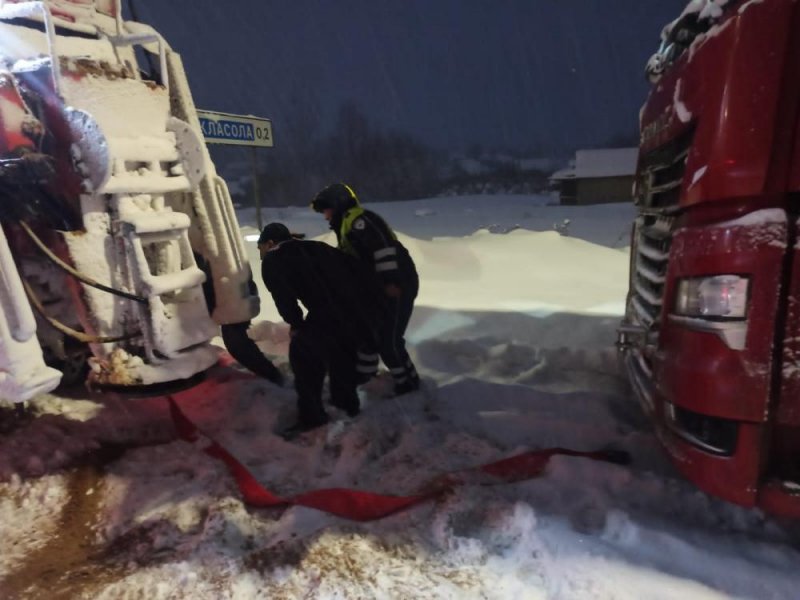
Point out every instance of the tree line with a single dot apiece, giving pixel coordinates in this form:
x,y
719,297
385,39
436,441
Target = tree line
x,y
381,165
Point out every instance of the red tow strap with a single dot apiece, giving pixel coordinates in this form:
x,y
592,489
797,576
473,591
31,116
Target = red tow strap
x,y
367,506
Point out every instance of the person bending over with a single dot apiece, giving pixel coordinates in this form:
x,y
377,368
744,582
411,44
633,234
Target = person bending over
x,y
341,315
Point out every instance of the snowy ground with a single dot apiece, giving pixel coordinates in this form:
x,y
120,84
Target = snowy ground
x,y
513,333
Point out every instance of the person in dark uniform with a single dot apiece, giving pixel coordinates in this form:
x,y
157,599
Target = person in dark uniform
x,y
342,311
365,235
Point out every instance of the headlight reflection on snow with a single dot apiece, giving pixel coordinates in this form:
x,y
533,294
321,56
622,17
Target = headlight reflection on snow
x,y
437,324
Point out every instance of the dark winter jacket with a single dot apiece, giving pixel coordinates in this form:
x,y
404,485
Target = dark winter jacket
x,y
365,235
336,290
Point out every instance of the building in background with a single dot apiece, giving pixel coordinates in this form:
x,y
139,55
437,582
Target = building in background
x,y
597,176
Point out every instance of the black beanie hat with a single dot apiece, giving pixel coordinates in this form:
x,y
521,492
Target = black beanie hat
x,y
276,232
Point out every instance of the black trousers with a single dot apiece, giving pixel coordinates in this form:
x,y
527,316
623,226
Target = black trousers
x,y
391,343
247,353
317,349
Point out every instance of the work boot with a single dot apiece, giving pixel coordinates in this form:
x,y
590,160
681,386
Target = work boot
x,y
291,432
352,408
411,384
274,375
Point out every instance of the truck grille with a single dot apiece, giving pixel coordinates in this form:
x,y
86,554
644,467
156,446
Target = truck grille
x,y
658,191
658,185
654,235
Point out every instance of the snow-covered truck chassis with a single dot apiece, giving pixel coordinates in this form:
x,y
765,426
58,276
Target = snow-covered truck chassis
x,y
108,202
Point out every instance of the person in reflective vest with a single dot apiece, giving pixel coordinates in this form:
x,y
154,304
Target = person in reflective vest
x,y
342,314
365,235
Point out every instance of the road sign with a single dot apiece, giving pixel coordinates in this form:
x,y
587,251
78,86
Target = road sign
x,y
236,130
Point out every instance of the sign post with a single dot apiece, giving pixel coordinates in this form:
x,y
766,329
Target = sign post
x,y
256,191
239,130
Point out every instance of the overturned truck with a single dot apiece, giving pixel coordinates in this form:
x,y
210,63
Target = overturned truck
x,y
119,246
711,337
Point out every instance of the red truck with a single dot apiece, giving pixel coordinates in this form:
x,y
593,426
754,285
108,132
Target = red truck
x,y
711,335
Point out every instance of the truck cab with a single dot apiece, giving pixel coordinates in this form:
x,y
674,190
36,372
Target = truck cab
x,y
711,334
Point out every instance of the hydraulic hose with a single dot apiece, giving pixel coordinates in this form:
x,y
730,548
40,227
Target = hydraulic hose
x,y
66,330
76,274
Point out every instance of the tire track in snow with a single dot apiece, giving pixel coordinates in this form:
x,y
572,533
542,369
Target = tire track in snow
x,y
67,565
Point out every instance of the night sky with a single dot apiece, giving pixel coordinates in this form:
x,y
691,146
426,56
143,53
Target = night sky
x,y
525,75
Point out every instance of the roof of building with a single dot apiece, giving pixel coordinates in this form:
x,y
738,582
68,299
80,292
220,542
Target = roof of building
x,y
600,162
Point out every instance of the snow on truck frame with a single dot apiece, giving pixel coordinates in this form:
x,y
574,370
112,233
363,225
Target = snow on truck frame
x,y
711,337
108,204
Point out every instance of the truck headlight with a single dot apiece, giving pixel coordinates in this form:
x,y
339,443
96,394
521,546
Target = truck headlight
x,y
719,296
